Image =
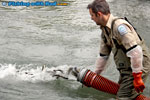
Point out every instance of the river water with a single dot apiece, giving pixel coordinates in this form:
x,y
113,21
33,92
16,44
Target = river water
x,y
58,37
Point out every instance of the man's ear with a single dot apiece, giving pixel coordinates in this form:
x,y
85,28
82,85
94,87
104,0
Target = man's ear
x,y
99,13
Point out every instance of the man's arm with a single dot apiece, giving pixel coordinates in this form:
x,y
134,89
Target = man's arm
x,y
136,58
100,63
134,51
103,55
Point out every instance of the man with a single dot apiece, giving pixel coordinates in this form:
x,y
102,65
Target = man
x,y
130,52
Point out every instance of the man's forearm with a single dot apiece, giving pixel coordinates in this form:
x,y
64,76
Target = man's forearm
x,y
100,63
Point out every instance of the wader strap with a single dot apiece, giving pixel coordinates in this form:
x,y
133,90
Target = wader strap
x,y
105,40
106,31
119,46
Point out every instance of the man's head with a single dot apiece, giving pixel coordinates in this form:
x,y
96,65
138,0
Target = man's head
x,y
99,11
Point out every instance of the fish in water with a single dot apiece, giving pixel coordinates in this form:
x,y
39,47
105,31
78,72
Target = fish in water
x,y
58,73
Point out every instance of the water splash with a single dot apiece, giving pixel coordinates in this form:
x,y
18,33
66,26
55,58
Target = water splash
x,y
32,74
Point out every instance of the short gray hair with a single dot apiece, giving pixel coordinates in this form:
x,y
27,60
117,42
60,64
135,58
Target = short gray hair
x,y
99,5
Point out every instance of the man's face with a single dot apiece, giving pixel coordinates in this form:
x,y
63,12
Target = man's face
x,y
96,19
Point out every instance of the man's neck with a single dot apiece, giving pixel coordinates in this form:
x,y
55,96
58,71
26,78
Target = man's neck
x,y
106,18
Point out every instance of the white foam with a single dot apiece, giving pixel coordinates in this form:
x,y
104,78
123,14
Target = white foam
x,y
7,70
32,74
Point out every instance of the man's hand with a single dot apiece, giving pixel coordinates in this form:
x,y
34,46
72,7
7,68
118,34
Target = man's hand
x,y
138,82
